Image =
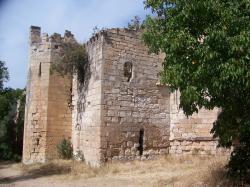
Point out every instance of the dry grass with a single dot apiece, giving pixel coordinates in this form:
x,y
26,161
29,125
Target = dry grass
x,y
56,167
184,171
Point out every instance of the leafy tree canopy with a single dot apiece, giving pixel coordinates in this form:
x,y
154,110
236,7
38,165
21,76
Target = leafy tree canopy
x,y
4,75
12,104
207,47
135,23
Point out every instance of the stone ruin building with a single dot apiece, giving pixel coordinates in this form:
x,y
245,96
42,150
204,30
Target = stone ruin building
x,y
121,113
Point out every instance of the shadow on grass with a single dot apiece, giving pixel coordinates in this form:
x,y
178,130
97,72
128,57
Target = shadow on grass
x,y
34,173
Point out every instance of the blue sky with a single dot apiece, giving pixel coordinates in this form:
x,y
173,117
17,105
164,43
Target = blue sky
x,y
78,16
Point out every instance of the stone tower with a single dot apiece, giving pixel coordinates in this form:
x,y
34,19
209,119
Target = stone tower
x,y
124,115
120,112
47,114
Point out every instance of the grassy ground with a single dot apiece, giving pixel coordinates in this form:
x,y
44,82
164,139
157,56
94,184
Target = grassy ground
x,y
183,171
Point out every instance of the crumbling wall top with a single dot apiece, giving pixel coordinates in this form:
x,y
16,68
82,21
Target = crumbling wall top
x,y
36,38
35,34
107,33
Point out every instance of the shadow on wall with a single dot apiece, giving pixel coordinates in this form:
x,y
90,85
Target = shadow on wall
x,y
82,89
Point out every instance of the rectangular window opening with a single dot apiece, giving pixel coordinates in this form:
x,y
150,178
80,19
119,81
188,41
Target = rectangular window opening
x,y
40,70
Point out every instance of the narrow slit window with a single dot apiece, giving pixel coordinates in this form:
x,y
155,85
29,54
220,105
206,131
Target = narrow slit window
x,y
37,141
40,70
141,141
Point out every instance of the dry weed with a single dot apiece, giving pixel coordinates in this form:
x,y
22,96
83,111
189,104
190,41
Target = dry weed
x,y
183,171
55,167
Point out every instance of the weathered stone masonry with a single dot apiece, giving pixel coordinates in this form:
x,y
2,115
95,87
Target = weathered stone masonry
x,y
119,113
133,106
87,107
191,135
47,115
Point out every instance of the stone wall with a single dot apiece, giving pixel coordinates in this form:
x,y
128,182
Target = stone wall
x,y
120,113
59,120
135,112
191,135
47,115
87,106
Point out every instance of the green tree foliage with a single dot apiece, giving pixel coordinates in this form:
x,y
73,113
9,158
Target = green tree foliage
x,y
12,104
4,75
135,23
207,47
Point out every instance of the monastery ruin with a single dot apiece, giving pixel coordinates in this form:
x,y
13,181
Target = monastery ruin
x,y
121,113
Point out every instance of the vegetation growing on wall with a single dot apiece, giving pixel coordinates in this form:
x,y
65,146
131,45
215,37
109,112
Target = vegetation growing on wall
x,y
74,60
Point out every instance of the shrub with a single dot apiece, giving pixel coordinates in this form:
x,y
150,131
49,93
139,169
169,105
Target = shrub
x,y
79,156
65,149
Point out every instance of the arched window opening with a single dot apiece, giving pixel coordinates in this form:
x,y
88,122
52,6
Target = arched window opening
x,y
128,70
